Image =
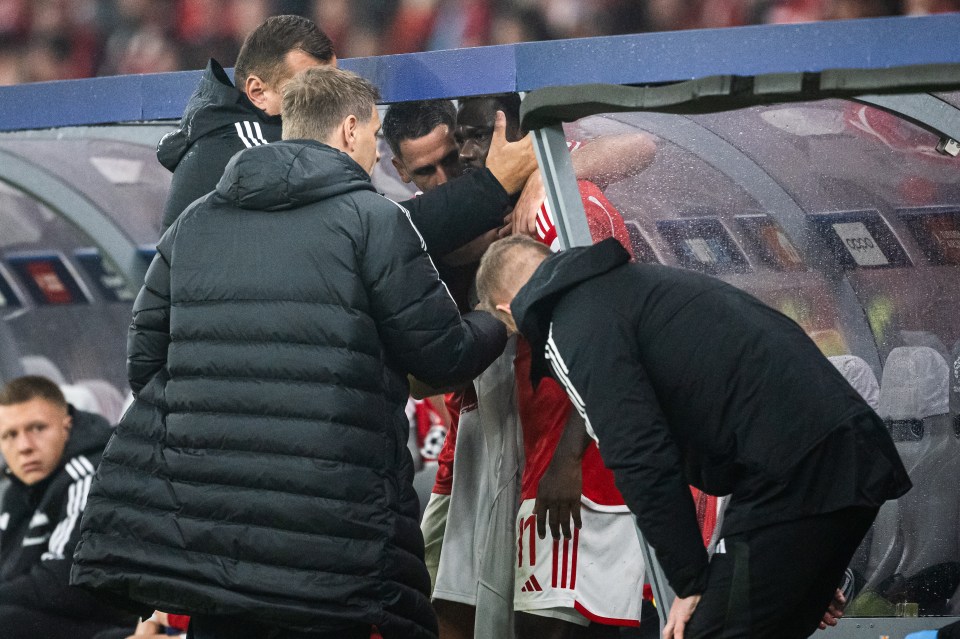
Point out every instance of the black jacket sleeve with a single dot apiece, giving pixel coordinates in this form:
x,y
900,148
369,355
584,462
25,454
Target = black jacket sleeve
x,y
199,171
605,380
454,213
419,324
149,333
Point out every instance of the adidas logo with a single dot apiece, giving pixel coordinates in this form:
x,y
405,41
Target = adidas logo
x,y
532,585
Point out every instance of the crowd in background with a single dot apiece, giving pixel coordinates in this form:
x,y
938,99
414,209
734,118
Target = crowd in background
x,y
61,39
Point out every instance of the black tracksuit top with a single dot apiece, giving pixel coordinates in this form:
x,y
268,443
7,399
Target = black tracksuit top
x,y
40,526
687,380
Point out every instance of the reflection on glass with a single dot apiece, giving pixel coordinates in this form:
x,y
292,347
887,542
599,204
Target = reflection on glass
x,y
111,284
771,243
146,253
47,279
121,179
8,299
937,231
860,239
642,251
53,305
703,244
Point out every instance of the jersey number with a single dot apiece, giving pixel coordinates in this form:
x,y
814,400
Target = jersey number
x,y
563,558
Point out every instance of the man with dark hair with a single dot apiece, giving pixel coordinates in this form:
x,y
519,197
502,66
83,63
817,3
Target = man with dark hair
x,y
279,46
693,381
51,451
420,134
221,120
475,126
261,478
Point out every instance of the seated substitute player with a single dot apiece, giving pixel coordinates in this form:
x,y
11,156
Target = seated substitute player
x,y
51,451
695,381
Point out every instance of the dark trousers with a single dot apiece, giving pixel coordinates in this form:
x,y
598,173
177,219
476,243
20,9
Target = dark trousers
x,y
777,581
23,623
206,627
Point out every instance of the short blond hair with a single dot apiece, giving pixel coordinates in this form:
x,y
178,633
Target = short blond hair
x,y
318,99
500,264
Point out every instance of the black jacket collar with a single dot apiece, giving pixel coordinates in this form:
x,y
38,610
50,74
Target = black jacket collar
x,y
533,306
215,103
289,174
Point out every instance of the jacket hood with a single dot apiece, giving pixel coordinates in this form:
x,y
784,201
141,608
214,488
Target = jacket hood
x,y
89,434
215,103
533,305
288,175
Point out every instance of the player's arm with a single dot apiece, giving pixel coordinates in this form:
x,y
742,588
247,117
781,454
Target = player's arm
x,y
558,494
602,374
419,324
611,158
603,161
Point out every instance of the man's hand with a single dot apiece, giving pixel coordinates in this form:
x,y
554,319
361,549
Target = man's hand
x,y
559,495
507,229
510,162
834,611
680,613
528,206
149,628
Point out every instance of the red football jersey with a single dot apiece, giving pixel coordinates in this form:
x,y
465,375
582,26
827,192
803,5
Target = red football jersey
x,y
602,217
543,414
443,485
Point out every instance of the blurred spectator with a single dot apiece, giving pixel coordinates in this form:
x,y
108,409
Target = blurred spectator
x,y
59,39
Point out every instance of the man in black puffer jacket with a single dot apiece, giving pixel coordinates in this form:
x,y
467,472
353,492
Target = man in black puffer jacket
x,y
221,120
51,450
261,479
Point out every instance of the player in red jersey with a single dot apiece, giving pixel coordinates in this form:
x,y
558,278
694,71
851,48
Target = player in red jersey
x,y
460,545
588,581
